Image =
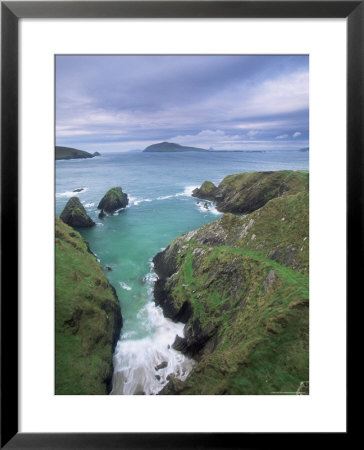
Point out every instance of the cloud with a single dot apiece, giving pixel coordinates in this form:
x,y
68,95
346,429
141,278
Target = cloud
x,y
252,133
197,100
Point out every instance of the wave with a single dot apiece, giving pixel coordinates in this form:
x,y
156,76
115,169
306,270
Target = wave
x,y
71,193
142,366
208,207
89,205
125,286
142,200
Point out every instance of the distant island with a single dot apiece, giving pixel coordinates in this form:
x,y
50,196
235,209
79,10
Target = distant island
x,y
73,153
164,147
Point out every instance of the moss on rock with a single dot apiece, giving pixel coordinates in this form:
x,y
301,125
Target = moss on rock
x,y
75,215
87,318
113,200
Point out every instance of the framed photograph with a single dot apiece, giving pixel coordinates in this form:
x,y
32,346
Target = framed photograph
x,y
182,184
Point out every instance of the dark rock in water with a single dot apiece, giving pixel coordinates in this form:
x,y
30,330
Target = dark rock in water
x,y
78,190
108,268
113,200
102,214
162,365
75,215
96,154
206,206
158,377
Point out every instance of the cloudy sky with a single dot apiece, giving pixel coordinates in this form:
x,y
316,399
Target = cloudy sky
x,y
118,103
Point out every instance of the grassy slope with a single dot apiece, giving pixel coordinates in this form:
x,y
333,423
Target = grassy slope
x,y
87,317
71,153
247,191
258,330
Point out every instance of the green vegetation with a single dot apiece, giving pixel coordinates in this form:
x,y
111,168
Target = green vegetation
x,y
246,282
87,318
172,147
72,153
75,215
248,191
113,200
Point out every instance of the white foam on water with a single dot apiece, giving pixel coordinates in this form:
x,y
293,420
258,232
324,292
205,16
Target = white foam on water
x,y
141,200
187,191
71,193
89,205
136,361
164,197
125,286
210,208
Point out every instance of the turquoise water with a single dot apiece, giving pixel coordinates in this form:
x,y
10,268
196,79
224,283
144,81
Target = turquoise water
x,y
160,208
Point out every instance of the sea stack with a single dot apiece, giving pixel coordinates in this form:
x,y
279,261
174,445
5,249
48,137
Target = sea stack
x,y
75,215
113,200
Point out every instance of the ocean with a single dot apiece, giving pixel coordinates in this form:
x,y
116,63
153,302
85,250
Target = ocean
x,y
159,187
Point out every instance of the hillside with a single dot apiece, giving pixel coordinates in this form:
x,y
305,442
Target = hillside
x,y
72,153
245,192
172,147
87,318
241,286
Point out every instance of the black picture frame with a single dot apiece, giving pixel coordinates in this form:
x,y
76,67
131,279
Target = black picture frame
x,y
11,12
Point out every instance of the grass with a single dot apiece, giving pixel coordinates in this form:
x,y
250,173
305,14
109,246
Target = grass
x,y
257,322
87,317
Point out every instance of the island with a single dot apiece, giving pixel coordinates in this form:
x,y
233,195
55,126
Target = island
x,y
73,153
171,147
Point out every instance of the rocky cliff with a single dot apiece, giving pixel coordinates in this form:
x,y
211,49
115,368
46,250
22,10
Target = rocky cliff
x,y
248,191
87,318
241,286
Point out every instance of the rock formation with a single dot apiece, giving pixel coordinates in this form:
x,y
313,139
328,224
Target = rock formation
x,y
75,215
113,200
240,284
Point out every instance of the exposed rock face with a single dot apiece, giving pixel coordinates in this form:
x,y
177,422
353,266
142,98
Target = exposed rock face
x,y
248,191
241,286
75,215
88,319
113,200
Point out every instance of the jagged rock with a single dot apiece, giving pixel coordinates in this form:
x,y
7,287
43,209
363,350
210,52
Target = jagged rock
x,y
102,214
113,200
75,215
162,365
78,190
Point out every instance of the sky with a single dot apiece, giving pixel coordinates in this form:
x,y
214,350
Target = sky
x,y
117,103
